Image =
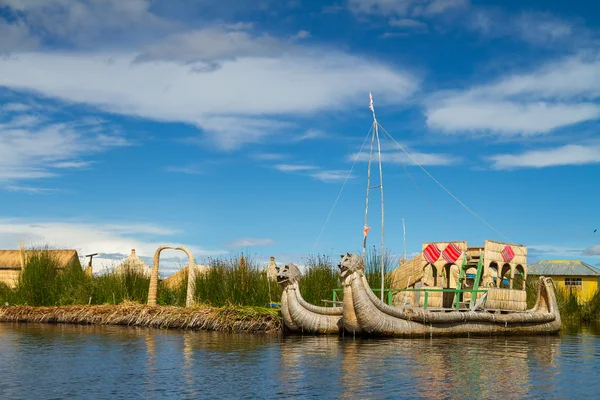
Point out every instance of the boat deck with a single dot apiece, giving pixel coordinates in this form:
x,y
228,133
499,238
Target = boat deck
x,y
488,310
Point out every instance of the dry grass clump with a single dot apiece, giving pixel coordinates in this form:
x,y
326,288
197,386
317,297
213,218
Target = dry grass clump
x,y
229,319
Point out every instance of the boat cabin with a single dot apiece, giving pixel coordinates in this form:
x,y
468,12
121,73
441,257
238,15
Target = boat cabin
x,y
452,275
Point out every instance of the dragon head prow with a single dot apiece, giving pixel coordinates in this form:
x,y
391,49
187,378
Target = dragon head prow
x,y
289,273
350,263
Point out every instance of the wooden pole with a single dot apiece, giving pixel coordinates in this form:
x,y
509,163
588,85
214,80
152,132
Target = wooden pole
x,y
382,214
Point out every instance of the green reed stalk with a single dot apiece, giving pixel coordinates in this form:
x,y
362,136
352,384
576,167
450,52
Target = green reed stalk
x,y
373,268
228,282
128,284
319,279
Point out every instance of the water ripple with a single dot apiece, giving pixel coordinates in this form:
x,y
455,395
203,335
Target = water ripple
x,y
64,361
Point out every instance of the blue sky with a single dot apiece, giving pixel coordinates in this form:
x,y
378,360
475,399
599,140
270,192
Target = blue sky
x,y
232,126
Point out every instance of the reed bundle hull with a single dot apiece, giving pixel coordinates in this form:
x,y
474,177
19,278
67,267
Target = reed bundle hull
x,y
302,317
377,318
298,315
374,317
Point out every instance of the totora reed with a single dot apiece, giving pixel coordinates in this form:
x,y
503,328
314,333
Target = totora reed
x,y
226,319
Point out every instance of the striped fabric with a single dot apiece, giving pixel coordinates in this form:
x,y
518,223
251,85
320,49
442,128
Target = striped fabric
x,y
508,254
431,253
451,253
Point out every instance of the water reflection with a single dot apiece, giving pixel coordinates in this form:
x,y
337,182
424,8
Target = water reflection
x,y
55,361
471,368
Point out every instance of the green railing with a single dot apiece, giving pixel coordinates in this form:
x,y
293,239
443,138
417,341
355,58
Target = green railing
x,y
390,292
455,291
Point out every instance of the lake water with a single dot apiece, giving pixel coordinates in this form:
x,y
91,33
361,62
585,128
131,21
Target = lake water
x,y
39,361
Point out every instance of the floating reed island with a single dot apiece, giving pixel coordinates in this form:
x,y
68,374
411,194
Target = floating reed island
x,y
231,295
224,319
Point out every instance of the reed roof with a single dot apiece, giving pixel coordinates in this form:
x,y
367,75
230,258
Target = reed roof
x,y
133,263
11,259
563,267
175,280
271,269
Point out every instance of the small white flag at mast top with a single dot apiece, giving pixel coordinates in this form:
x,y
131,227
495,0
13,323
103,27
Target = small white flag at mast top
x,y
371,107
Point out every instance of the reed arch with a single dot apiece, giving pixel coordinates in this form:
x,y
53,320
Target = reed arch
x,y
191,287
521,271
506,272
451,273
430,275
491,269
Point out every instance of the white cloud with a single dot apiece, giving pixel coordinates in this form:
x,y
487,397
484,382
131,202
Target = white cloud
x,y
95,238
592,251
270,156
406,7
565,155
16,36
508,118
186,169
29,189
315,172
212,44
302,34
408,23
435,7
571,77
72,164
232,132
541,28
234,104
82,21
311,134
22,121
240,26
14,107
32,147
534,27
398,157
331,175
294,167
553,249
249,242
558,94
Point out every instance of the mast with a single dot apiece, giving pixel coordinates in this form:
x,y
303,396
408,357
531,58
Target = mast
x,y
404,231
366,228
374,138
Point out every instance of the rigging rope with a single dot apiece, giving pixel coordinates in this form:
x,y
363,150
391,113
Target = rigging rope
x,y
342,189
435,214
442,186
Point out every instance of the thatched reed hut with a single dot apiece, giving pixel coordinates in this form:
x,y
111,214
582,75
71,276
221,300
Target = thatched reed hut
x,y
271,269
133,264
439,264
175,280
12,262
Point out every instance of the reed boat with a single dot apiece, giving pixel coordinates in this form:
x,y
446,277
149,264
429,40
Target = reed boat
x,y
449,289
299,316
375,317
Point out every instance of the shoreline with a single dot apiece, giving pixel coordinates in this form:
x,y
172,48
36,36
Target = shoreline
x,y
199,318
